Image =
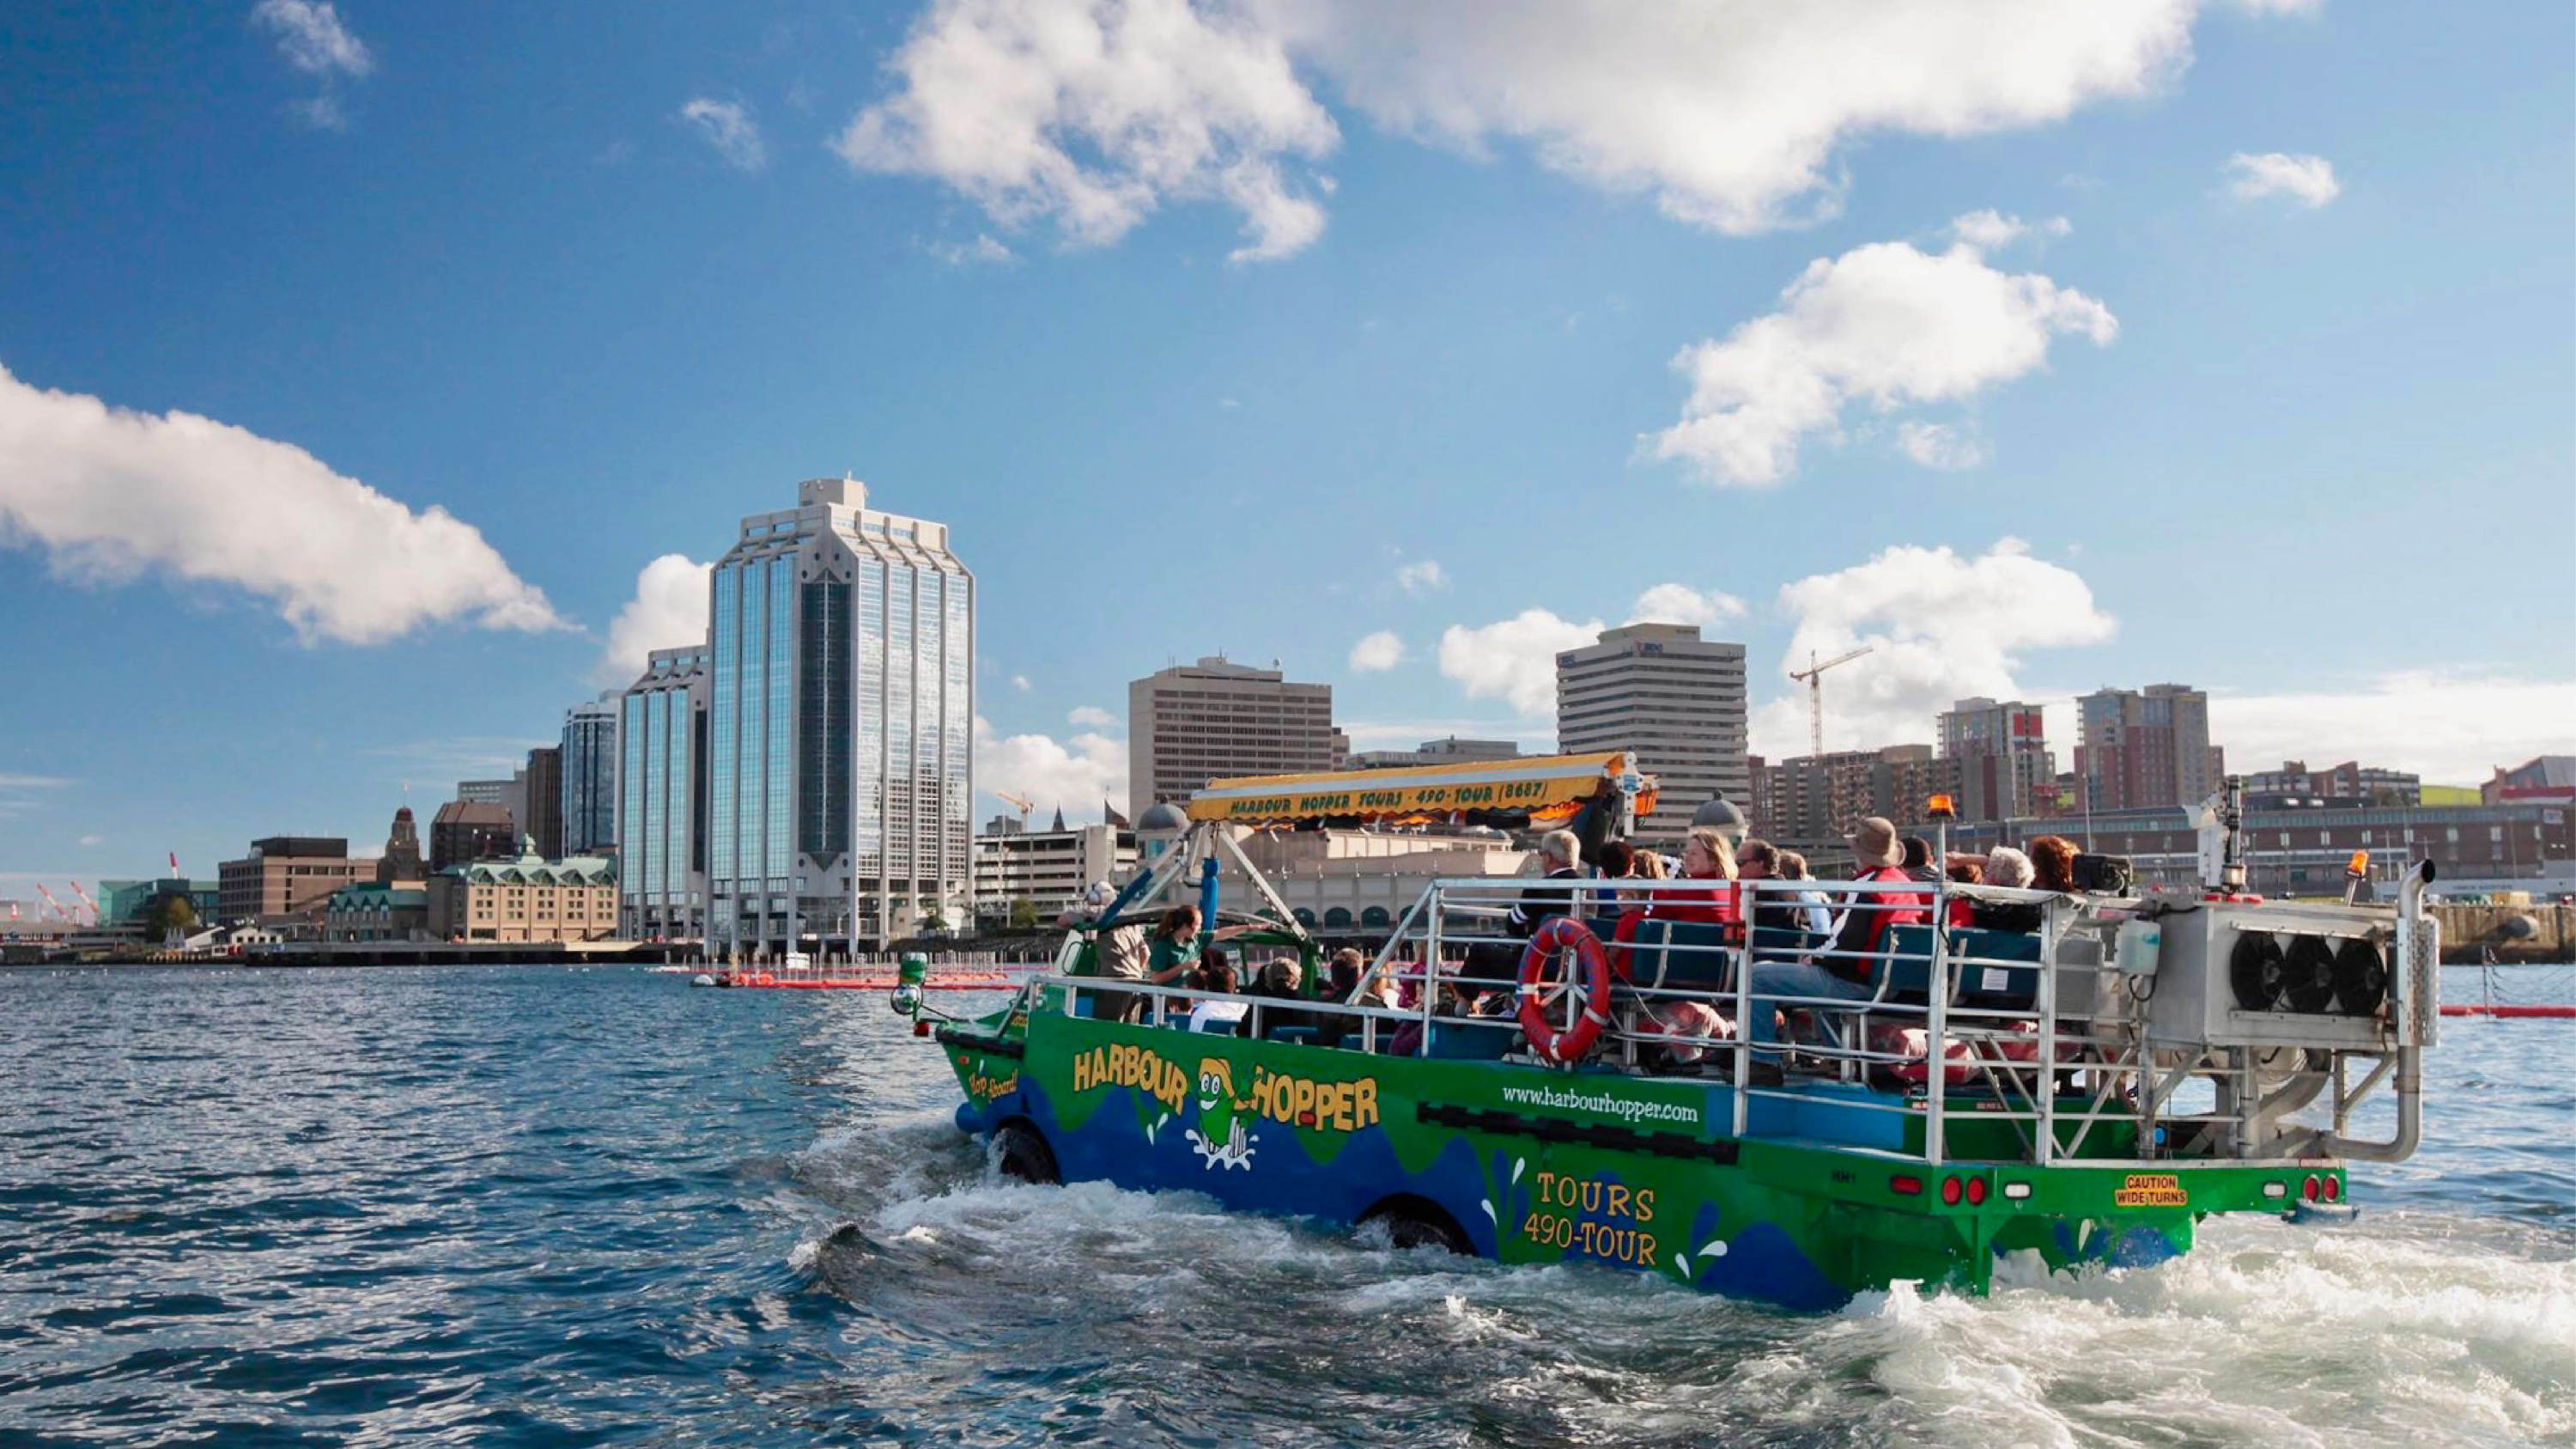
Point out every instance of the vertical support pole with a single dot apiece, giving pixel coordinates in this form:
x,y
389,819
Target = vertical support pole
x,y
2045,1148
1430,967
1936,1059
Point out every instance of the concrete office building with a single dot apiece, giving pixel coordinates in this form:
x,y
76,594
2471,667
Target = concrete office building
x,y
1671,696
1449,751
2005,768
486,792
589,769
662,777
285,875
840,722
1046,868
2141,750
1216,719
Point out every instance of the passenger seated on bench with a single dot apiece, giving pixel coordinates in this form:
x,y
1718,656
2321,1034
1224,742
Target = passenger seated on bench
x,y
2006,866
1820,916
1221,1009
1844,972
1278,981
1963,911
1785,923
1557,852
1705,857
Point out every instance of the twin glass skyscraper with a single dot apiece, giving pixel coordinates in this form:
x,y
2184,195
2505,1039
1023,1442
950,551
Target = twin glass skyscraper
x,y
838,755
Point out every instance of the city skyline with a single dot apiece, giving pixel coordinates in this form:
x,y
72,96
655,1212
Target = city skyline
x,y
2207,347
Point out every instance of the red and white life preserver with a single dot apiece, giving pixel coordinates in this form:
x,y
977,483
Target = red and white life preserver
x,y
1581,996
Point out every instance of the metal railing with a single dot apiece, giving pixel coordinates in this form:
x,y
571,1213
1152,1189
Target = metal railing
x,y
2009,999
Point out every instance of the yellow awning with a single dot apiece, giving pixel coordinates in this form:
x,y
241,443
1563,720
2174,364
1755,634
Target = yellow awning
x,y
1537,783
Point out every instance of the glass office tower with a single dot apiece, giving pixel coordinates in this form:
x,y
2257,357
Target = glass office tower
x,y
661,772
840,690
589,789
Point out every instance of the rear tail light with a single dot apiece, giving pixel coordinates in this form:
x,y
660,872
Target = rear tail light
x,y
1950,1192
1905,1186
2334,1188
1976,1192
2310,1189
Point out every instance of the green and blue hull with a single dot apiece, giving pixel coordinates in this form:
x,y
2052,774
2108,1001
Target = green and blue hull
x,y
1824,1198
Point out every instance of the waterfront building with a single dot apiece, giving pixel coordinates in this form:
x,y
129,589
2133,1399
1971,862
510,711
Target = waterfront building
x,y
1448,751
2304,852
1046,868
1360,882
373,911
2005,768
465,831
2347,785
1216,719
589,768
286,876
131,902
2137,749
526,898
662,777
401,860
2543,777
840,711
1675,699
541,781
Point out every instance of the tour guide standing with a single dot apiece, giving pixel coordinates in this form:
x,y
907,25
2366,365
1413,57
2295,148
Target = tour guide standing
x,y
1842,971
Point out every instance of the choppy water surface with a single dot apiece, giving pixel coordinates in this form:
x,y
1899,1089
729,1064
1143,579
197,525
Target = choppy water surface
x,y
546,1207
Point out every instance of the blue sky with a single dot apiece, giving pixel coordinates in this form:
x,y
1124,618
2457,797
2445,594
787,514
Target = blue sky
x,y
596,284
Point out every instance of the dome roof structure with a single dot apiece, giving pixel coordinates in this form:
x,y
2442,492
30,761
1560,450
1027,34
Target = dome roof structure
x,y
1163,815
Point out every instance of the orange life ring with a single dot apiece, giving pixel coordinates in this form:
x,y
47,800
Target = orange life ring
x,y
1582,1003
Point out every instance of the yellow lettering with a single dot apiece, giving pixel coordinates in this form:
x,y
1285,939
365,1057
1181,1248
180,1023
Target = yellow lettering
x,y
1645,1204
1645,1249
1364,1107
1341,1106
1592,1197
1618,1201
1305,1110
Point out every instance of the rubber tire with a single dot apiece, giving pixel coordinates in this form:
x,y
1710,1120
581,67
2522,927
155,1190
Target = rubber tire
x,y
1022,1155
1416,1223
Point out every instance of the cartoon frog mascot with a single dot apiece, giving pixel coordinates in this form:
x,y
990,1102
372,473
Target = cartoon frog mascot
x,y
1222,1138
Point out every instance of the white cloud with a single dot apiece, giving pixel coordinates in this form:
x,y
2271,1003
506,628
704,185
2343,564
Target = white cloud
x,y
2308,180
1422,576
1939,445
730,129
1884,324
1089,114
1071,775
311,37
984,250
113,495
2453,729
1092,716
1513,659
669,610
1377,653
1092,113
1682,604
93,840
1988,230
1021,683
1940,628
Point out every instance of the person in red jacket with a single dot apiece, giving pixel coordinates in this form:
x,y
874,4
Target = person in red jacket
x,y
1842,970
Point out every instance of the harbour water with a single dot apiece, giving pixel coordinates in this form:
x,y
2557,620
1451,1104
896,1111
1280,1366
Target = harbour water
x,y
559,1207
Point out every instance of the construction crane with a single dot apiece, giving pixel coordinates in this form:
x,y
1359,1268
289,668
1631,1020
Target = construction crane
x,y
95,914
1813,675
1025,803
54,905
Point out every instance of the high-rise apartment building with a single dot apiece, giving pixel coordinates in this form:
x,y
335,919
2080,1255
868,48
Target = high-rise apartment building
x,y
2141,749
840,724
1674,698
542,782
1216,719
588,761
661,822
2005,767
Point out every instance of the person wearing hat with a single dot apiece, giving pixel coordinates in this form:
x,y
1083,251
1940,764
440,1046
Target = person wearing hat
x,y
1841,970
